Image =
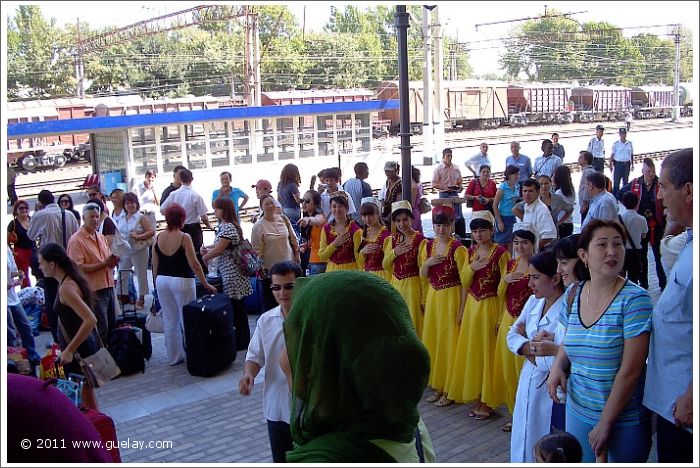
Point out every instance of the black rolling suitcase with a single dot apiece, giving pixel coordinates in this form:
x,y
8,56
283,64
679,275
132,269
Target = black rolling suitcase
x,y
213,280
131,316
210,336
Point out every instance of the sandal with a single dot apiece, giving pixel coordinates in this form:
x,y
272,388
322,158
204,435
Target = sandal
x,y
434,397
443,401
482,415
507,427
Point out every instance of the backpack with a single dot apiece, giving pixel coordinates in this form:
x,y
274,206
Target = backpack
x,y
247,259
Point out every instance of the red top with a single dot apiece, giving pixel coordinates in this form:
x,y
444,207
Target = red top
x,y
406,265
485,281
373,261
474,188
346,252
517,293
446,274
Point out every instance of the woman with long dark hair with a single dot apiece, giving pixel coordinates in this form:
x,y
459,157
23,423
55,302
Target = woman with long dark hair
x,y
565,188
371,253
311,224
288,194
236,285
65,201
73,307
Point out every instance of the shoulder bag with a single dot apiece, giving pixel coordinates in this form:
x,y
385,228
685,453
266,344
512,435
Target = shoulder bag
x,y
99,368
12,235
247,259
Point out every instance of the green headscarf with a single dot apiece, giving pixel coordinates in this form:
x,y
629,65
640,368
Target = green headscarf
x,y
359,369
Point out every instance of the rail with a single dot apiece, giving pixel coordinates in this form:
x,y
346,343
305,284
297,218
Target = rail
x,y
246,214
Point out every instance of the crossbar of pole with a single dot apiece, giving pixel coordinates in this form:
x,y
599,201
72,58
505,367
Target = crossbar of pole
x,y
401,21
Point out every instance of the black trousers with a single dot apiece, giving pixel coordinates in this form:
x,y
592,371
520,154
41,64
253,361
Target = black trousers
x,y
280,440
599,164
656,248
195,232
240,321
565,230
673,444
633,265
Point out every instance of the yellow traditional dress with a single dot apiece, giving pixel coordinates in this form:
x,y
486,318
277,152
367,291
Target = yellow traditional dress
x,y
506,365
470,377
405,276
442,300
372,263
345,256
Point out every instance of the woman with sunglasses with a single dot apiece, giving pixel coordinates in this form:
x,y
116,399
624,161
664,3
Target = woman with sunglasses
x,y
341,238
374,233
311,224
401,259
24,248
65,201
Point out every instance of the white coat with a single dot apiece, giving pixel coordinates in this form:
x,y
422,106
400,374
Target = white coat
x,y
533,405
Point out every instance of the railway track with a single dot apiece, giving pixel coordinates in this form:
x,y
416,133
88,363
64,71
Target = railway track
x,y
246,214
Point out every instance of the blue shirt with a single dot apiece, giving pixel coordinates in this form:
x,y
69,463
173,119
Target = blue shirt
x,y
235,194
523,163
670,363
596,352
510,195
622,152
558,151
547,165
602,206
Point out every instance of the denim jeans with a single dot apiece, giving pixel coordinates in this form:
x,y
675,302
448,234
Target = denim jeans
x,y
317,268
627,444
280,440
294,215
22,328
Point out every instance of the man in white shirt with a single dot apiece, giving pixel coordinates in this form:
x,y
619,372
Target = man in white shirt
x,y
621,161
478,160
597,148
548,162
195,211
264,351
537,213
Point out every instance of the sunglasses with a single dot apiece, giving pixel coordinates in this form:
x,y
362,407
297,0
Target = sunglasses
x,y
278,287
305,201
22,208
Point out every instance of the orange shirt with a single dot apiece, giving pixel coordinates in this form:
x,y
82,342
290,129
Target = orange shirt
x,y
87,249
315,243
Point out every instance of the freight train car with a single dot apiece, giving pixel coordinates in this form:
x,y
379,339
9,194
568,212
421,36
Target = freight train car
x,y
539,103
686,99
467,104
600,102
652,101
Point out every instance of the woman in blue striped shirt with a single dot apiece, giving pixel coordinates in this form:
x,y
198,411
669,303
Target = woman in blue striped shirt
x,y
606,345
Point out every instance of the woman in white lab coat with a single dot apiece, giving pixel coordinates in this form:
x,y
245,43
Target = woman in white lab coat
x,y
536,334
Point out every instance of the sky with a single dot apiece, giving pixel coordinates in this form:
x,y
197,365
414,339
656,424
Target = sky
x,y
459,18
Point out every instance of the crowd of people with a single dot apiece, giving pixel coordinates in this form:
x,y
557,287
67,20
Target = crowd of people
x,y
505,317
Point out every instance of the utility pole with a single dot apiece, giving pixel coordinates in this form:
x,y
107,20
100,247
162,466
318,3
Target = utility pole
x,y
427,90
677,74
251,84
79,71
438,109
401,20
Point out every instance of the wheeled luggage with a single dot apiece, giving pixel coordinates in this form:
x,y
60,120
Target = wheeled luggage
x,y
108,432
131,316
126,349
210,337
254,303
213,280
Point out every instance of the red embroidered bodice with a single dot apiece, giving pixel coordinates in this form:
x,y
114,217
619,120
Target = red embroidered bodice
x,y
485,281
373,261
446,274
517,293
346,252
406,265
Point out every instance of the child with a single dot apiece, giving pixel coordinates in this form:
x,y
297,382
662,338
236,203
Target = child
x,y
513,291
442,260
470,378
341,236
371,252
558,447
401,259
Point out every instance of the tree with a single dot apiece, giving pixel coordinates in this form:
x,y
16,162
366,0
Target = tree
x,y
658,57
40,64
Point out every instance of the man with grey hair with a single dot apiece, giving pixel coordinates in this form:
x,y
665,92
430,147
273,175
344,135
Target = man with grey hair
x,y
51,224
603,204
669,379
521,161
88,248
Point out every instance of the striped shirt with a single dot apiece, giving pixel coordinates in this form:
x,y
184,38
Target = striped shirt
x,y
596,354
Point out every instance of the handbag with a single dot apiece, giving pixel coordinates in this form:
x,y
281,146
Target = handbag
x,y
140,244
424,205
154,322
247,259
100,367
12,235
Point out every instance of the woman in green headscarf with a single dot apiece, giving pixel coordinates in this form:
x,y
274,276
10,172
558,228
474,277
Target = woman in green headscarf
x,y
358,372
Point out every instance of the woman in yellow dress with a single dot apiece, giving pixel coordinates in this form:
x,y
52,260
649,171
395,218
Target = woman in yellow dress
x,y
442,260
471,374
514,291
371,252
341,238
401,259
